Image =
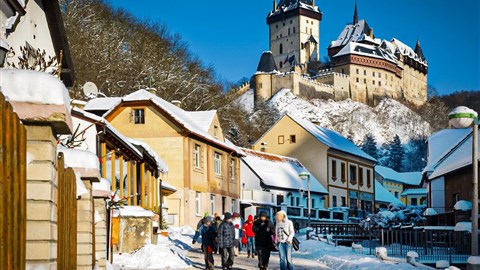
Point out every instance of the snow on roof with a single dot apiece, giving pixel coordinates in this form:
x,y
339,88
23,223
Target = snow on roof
x,y
102,104
203,119
96,118
33,87
331,138
463,205
292,5
168,186
162,166
414,191
133,211
408,178
463,227
75,158
407,51
103,185
383,195
459,157
351,33
181,116
280,171
430,212
366,50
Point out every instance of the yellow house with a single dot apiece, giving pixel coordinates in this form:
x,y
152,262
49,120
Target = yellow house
x,y
203,166
405,186
339,165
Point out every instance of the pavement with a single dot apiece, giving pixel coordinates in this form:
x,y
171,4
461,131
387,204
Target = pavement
x,y
244,263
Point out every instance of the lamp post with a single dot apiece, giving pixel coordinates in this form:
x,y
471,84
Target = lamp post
x,y
464,117
306,176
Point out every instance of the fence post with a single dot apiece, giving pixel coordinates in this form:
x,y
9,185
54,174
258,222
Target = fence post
x,y
383,242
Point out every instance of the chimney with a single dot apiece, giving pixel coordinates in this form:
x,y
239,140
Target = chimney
x,y
370,33
274,5
313,3
152,90
177,103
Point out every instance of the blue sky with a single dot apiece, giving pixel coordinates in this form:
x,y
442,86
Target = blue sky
x,y
231,35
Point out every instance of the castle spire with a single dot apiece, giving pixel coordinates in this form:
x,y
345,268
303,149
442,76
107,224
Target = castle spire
x,y
355,14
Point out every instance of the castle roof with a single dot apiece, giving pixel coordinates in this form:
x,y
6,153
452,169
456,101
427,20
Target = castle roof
x,y
366,50
289,2
406,50
266,63
419,51
287,8
359,32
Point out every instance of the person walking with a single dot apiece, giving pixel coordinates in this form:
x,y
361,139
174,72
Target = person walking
x,y
226,238
208,231
237,222
248,232
284,232
264,230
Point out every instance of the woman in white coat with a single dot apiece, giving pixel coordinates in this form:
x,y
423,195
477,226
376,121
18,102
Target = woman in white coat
x,y
284,232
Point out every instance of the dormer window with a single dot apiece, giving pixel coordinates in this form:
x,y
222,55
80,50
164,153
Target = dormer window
x,y
139,116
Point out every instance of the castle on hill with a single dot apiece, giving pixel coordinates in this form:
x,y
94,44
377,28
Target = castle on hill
x,y
361,66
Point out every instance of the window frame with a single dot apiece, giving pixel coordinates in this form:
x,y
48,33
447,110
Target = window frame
x,y
293,139
197,203
217,163
196,156
139,119
353,181
281,139
233,170
334,169
212,203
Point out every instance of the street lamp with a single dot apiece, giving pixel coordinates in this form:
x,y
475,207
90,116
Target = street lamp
x,y
306,176
464,117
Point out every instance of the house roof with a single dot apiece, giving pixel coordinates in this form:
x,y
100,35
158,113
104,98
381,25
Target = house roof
x,y
102,104
383,195
187,120
407,178
203,119
280,172
331,138
460,156
442,144
414,191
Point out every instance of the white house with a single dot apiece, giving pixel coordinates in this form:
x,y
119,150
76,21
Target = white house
x,y
271,182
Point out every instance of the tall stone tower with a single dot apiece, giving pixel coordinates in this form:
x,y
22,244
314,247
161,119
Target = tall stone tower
x,y
294,33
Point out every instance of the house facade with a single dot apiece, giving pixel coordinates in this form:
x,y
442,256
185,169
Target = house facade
x,y
203,166
271,183
448,173
346,171
405,186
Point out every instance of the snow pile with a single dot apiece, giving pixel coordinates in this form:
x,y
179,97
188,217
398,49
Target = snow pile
x,y
33,87
355,119
246,100
342,258
75,158
395,217
103,185
463,227
133,211
463,205
430,212
81,188
169,253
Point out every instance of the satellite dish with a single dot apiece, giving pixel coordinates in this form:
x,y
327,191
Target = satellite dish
x,y
90,90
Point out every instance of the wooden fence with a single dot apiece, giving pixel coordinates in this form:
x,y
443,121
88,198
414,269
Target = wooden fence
x,y
13,181
66,216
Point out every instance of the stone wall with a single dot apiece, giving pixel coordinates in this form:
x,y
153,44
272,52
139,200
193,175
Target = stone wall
x,y
85,233
101,228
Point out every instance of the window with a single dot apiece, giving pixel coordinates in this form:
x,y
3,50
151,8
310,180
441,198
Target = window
x,y
369,181
281,139
197,203
280,49
343,171
288,32
343,71
291,21
196,156
280,64
139,116
373,73
364,72
293,138
364,80
306,29
344,201
360,176
334,170
234,204
212,203
292,201
261,85
456,197
373,82
379,75
353,174
283,23
379,83
297,199
294,29
358,71
310,31
413,201
357,79
396,194
217,164
276,26
353,203
233,171
307,21
313,203
334,201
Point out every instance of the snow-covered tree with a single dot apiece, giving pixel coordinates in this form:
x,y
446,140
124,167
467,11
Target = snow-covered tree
x,y
396,153
369,145
415,155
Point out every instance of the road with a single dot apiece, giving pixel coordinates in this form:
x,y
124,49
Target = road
x,y
244,263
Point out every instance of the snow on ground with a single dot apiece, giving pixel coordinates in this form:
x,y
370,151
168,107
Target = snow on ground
x,y
342,258
246,100
356,119
169,253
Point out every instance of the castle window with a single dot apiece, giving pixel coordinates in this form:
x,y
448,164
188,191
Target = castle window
x,y
307,21
364,80
364,72
281,64
306,30
283,23
261,85
276,26
289,31
294,29
357,80
281,48
379,83
291,21
343,71
310,31
373,73
358,71
373,82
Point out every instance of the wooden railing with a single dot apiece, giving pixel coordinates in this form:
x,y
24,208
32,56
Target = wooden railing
x,y
12,188
66,217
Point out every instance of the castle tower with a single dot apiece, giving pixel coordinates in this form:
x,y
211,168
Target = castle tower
x,y
294,33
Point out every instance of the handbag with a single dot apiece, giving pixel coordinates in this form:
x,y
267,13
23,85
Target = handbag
x,y
244,240
295,242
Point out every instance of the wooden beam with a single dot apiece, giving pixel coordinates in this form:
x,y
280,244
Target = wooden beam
x,y
135,198
150,191
120,159
129,181
142,184
112,166
155,195
103,155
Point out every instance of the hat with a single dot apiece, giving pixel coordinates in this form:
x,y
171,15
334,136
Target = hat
x,y
205,214
250,218
263,214
227,215
208,219
235,214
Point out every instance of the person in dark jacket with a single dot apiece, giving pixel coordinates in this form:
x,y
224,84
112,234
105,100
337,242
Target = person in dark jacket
x,y
208,231
264,230
226,239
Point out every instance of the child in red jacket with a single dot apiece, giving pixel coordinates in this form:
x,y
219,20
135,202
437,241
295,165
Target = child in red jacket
x,y
248,232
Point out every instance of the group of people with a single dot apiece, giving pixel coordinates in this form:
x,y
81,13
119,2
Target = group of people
x,y
260,237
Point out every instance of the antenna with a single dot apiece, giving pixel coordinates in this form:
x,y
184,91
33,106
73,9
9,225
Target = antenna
x,y
90,90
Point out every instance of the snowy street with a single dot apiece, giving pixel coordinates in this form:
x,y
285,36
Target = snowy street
x,y
176,252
